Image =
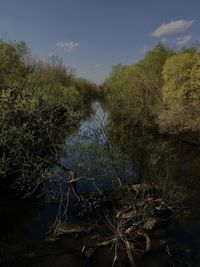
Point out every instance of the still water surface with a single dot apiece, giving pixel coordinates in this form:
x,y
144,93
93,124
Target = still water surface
x,y
23,226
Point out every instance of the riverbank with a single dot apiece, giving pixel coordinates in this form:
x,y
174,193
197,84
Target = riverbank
x,y
159,93
41,101
24,234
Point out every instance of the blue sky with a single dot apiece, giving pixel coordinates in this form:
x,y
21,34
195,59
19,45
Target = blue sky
x,y
94,35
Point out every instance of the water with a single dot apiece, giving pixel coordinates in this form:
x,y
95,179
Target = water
x,y
23,225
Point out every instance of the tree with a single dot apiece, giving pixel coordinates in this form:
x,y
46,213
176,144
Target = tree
x,y
181,94
133,92
38,107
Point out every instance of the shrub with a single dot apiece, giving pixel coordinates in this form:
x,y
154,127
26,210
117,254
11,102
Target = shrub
x,y
38,106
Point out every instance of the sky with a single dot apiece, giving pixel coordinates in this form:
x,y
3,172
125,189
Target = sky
x,y
94,35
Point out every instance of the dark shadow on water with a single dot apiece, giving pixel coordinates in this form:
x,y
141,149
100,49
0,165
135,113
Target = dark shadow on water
x,y
24,224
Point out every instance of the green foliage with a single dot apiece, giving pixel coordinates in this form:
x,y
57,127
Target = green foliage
x,y
87,89
181,94
12,69
136,90
161,91
177,75
38,106
54,69
117,90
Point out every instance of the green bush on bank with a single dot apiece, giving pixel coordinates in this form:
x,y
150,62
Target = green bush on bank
x,y
161,91
38,106
137,88
181,94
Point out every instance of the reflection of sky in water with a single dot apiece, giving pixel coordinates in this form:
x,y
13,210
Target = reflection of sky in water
x,y
95,123
98,119
24,226
87,154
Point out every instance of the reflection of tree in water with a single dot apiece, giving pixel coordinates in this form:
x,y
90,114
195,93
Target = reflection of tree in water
x,y
159,158
101,160
165,162
101,157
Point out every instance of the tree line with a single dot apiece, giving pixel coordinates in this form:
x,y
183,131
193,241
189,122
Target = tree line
x,y
40,102
160,92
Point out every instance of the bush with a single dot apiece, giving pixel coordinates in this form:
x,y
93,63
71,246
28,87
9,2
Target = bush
x,y
135,91
38,106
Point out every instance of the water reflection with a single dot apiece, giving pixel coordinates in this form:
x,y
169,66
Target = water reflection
x,y
138,158
173,164
94,155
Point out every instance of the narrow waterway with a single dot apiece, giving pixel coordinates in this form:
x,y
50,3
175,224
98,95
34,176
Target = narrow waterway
x,y
24,226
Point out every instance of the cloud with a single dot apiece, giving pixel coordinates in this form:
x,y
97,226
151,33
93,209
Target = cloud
x,y
163,40
67,46
172,27
183,39
98,66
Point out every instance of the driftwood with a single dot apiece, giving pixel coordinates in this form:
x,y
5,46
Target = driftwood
x,y
129,222
62,230
140,188
73,184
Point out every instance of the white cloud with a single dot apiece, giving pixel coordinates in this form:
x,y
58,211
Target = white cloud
x,y
172,27
67,46
183,39
98,66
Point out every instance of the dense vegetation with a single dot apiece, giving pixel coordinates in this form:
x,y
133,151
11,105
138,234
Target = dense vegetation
x,y
40,102
160,92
